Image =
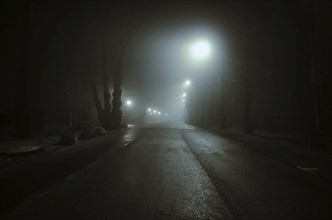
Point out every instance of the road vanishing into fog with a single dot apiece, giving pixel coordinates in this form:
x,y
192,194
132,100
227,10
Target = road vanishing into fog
x,y
176,171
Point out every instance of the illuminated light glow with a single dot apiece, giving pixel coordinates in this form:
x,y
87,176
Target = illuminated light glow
x,y
154,111
149,109
183,100
200,50
184,94
159,113
187,83
129,102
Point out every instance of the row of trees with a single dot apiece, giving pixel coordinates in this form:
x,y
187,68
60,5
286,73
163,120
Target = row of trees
x,y
58,51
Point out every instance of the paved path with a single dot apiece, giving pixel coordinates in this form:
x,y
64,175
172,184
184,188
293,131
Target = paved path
x,y
175,171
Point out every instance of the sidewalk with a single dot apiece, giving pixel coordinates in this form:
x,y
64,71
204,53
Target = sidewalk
x,y
22,149
316,162
38,143
17,150
26,177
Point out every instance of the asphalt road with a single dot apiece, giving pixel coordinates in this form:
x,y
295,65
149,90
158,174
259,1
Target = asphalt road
x,y
175,171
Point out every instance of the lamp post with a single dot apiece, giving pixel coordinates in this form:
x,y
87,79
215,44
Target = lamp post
x,y
128,103
199,53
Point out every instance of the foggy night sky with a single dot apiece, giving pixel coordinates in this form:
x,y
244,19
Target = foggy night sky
x,y
155,58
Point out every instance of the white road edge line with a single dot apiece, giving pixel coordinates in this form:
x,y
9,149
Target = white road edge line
x,y
308,169
127,143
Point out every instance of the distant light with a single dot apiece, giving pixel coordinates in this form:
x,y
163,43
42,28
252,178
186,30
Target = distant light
x,y
200,50
149,109
187,83
184,94
159,113
183,100
129,102
154,111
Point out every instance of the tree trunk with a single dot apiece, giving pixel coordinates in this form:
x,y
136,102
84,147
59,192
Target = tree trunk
x,y
95,97
116,102
316,131
249,74
22,102
106,91
247,121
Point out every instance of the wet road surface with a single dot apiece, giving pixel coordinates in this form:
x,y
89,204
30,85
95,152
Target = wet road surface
x,y
176,171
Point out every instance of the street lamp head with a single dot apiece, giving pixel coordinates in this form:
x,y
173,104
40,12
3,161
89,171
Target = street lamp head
x,y
200,50
187,83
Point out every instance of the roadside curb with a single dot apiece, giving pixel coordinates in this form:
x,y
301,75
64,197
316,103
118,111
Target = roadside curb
x,y
30,149
22,151
62,148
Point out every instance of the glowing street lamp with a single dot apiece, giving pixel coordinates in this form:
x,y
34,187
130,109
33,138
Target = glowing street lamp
x,y
200,50
187,83
149,109
154,111
129,102
184,94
